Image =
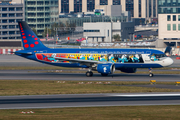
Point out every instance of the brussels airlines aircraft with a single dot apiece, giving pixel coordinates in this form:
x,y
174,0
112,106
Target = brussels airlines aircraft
x,y
105,61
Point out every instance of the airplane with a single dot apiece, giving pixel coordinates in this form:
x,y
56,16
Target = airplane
x,y
103,60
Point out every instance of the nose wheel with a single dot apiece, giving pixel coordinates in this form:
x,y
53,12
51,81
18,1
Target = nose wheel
x,y
89,73
150,72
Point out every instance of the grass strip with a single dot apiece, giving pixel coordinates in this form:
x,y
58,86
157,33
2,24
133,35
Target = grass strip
x,y
97,113
40,87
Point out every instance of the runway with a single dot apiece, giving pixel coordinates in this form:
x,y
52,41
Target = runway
x,y
41,75
45,75
82,100
88,100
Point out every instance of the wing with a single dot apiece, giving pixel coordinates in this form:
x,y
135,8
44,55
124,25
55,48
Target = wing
x,y
85,62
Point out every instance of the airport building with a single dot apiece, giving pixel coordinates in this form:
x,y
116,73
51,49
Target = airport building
x,y
169,22
41,14
104,31
138,8
10,14
114,14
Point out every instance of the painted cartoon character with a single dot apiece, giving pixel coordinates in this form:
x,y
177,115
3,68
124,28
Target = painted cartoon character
x,y
82,57
71,56
131,57
119,59
103,58
91,57
52,58
136,58
124,58
111,58
153,58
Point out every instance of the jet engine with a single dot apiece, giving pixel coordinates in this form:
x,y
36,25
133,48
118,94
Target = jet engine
x,y
128,70
106,68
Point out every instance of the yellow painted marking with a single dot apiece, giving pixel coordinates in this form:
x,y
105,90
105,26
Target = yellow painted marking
x,y
153,81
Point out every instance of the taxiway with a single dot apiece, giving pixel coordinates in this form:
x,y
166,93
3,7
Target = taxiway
x,y
88,100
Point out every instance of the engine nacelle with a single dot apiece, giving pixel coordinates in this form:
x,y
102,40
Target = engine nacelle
x,y
128,70
106,68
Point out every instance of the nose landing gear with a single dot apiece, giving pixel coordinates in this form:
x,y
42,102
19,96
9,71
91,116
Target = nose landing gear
x,y
150,72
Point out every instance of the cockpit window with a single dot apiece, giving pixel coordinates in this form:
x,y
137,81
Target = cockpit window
x,y
156,57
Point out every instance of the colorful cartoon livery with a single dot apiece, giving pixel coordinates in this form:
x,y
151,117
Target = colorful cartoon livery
x,y
105,61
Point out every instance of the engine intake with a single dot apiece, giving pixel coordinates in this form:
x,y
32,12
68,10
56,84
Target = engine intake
x,y
106,68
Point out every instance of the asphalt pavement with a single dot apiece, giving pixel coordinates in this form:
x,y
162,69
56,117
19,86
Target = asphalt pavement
x,y
88,100
83,100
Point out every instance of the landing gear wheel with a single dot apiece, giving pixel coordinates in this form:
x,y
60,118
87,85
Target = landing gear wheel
x,y
89,74
103,74
151,75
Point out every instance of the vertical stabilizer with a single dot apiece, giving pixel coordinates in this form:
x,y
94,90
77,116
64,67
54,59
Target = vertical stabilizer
x,y
29,38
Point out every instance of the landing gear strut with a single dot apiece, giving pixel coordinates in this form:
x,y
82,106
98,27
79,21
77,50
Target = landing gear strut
x,y
150,72
89,73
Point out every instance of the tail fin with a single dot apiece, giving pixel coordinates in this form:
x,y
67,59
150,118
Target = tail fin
x,y
29,38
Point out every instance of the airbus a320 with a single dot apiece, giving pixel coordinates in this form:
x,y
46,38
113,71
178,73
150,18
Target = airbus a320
x,y
105,61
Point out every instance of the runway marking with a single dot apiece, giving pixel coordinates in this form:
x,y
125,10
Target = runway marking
x,y
146,95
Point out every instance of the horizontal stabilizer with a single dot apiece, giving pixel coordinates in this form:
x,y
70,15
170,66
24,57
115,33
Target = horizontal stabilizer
x,y
23,52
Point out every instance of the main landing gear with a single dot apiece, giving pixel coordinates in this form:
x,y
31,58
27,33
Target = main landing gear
x,y
89,73
150,72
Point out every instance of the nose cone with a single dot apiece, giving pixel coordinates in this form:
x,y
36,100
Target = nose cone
x,y
168,61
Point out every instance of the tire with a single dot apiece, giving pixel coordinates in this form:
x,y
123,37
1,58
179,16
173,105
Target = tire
x,y
151,74
89,74
103,74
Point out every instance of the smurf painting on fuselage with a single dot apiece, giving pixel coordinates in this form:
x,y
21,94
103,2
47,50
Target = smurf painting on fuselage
x,y
126,60
113,58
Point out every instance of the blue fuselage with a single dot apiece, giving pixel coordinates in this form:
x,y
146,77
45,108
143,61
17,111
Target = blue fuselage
x,y
122,58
